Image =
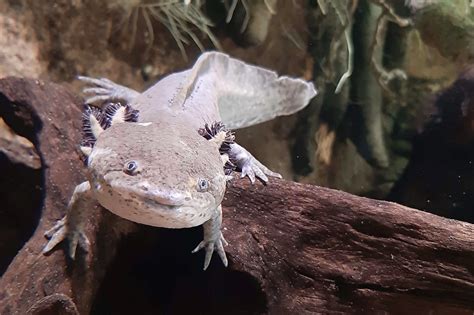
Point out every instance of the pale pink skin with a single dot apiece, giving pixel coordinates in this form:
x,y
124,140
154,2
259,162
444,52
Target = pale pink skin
x,y
173,159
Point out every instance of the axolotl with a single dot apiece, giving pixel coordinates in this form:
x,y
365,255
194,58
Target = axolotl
x,y
150,163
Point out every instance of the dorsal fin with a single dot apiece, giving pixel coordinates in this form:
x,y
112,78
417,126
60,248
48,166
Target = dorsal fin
x,y
246,95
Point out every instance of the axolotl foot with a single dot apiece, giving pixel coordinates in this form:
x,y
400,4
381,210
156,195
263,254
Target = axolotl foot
x,y
103,90
209,247
59,233
249,165
213,239
70,227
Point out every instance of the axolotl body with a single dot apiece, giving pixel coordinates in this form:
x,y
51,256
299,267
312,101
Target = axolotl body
x,y
158,169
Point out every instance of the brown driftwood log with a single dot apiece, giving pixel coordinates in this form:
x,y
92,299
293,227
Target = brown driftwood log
x,y
293,248
49,116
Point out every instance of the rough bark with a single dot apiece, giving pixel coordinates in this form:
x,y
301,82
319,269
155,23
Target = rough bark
x,y
294,248
49,116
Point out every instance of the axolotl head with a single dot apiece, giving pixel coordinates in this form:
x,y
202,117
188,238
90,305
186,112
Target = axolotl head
x,y
160,174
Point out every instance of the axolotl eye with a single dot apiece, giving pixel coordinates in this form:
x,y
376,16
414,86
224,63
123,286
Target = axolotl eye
x,y
131,168
203,185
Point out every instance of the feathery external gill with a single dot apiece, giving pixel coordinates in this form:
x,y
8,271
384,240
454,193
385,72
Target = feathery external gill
x,y
225,137
96,120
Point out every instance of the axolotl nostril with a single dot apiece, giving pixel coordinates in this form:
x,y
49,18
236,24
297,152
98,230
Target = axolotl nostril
x,y
154,159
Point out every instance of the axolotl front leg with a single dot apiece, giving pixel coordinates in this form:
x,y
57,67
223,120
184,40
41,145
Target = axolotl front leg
x,y
213,239
248,164
71,226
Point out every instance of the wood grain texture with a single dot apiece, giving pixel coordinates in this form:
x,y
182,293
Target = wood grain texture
x,y
314,248
49,116
304,248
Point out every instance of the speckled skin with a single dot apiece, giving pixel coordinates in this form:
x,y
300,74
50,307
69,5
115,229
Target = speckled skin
x,y
165,193
179,180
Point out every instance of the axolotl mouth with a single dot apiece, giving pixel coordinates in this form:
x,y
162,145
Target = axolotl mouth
x,y
145,204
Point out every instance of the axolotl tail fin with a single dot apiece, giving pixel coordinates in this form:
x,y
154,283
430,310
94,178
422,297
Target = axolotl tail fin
x,y
245,94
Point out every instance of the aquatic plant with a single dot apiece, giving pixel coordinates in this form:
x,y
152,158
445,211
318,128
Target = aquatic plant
x,y
388,14
183,19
